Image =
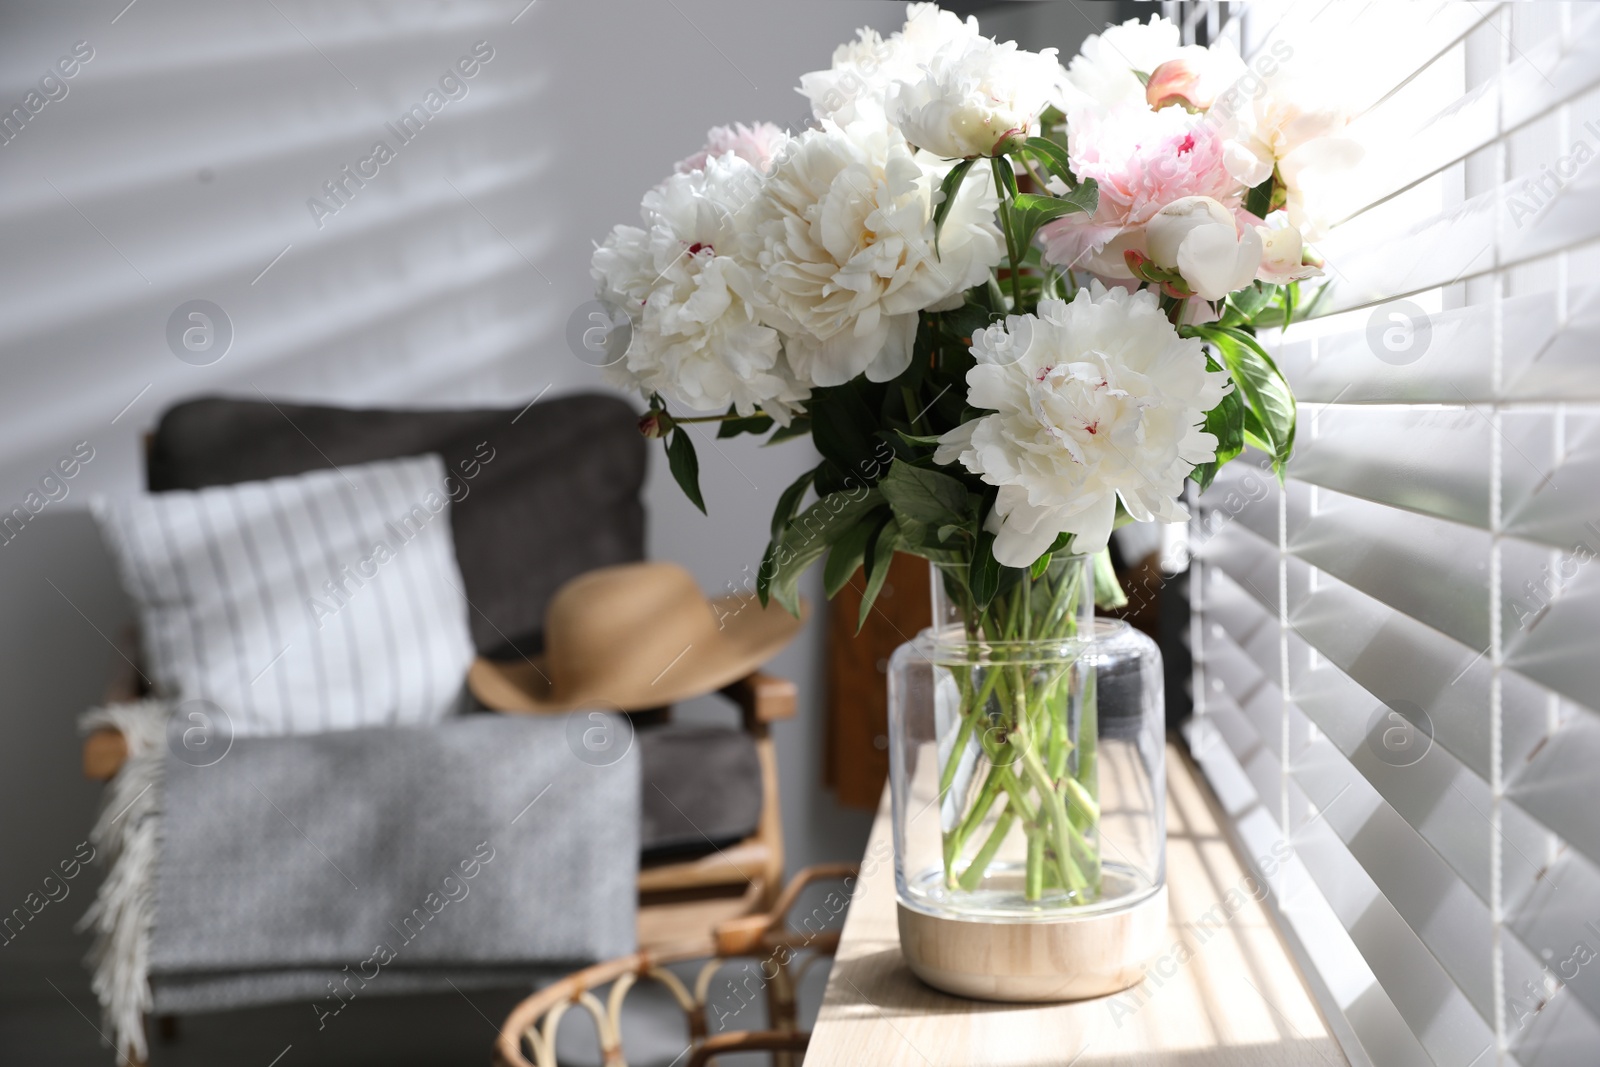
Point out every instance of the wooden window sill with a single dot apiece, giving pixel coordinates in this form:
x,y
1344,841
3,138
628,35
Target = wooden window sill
x,y
1226,991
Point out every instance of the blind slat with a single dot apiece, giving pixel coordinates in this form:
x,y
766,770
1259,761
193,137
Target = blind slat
x,y
1537,80
1394,40
1555,785
1551,361
1560,912
1424,460
1240,554
1366,1005
1447,915
1436,572
1375,257
1449,1029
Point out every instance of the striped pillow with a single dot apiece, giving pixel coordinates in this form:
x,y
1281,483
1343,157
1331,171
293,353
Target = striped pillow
x,y
325,601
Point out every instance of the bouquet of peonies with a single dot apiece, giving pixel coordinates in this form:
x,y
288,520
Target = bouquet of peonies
x,y
1013,303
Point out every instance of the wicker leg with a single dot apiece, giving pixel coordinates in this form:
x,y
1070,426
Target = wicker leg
x,y
781,1010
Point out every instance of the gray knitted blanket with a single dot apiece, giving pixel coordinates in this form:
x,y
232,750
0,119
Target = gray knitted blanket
x,y
477,851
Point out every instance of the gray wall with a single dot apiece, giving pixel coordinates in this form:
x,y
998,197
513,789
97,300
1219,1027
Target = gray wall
x,y
178,165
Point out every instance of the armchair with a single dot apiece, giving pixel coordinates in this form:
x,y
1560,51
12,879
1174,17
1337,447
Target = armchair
x,y
712,847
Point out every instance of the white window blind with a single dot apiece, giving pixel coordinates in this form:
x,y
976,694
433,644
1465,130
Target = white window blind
x,y
1397,652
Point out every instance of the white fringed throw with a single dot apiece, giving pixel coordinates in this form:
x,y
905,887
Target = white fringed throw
x,y
127,833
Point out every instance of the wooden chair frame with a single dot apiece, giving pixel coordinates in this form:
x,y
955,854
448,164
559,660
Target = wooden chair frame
x,y
767,936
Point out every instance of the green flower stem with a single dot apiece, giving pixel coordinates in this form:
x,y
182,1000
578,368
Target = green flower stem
x,y
1020,718
1059,824
1081,797
1012,252
1088,773
974,873
948,776
729,417
957,840
1033,887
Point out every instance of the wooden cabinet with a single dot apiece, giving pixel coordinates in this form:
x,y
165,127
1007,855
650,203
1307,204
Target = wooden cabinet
x,y
856,763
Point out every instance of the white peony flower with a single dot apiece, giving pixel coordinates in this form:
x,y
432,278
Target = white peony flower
x,y
1296,125
857,85
1093,401
756,145
1199,237
841,237
696,337
974,97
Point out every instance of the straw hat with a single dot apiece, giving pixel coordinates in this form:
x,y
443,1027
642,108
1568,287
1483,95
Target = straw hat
x,y
635,636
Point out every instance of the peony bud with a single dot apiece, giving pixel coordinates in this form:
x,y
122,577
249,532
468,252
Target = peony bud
x,y
655,423
1283,258
1177,81
1199,237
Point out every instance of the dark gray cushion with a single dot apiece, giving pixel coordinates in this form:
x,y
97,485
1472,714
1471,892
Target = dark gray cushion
x,y
702,789
553,490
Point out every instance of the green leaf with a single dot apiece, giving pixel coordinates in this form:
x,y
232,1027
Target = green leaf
x,y
1254,435
1029,211
1277,411
1290,291
846,555
798,428
1310,310
949,187
1143,76
807,537
1108,592
1258,201
1226,422
1250,301
1006,176
765,571
1053,156
789,502
968,319
685,466
924,495
1271,401
1063,539
880,552
912,439
735,427
983,576
841,426
1040,565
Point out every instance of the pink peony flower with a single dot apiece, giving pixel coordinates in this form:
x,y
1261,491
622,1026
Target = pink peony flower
x,y
756,145
1143,160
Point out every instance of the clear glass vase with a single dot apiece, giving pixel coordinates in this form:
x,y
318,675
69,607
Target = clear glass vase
x,y
1027,754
